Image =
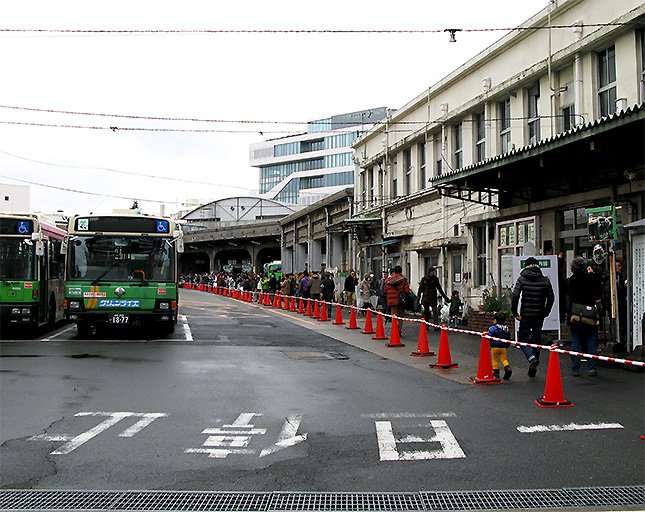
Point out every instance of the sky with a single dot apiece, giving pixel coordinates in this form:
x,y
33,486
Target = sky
x,y
245,83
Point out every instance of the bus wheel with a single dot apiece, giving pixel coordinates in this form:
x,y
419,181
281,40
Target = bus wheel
x,y
169,327
83,329
51,315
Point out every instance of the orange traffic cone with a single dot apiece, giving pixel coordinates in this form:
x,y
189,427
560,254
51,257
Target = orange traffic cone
x,y
339,315
292,306
369,328
301,306
553,393
443,359
380,331
423,349
267,299
395,335
316,310
485,370
308,310
352,319
276,301
323,312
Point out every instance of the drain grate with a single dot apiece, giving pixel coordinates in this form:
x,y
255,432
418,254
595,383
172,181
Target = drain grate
x,y
346,501
185,501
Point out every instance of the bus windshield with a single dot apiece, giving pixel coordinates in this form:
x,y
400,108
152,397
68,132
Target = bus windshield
x,y
17,259
117,258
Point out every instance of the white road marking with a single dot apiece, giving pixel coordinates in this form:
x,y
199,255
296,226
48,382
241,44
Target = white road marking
x,y
396,415
217,453
568,427
387,442
287,435
112,419
187,332
230,439
57,334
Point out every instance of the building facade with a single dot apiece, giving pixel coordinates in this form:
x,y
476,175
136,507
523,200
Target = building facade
x,y
304,168
504,156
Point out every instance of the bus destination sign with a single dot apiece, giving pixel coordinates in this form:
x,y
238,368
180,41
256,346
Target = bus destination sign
x,y
123,225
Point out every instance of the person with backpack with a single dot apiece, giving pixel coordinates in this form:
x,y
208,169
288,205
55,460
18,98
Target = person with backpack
x,y
427,293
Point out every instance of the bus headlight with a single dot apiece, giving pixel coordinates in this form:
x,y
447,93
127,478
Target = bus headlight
x,y
26,311
15,311
74,304
164,306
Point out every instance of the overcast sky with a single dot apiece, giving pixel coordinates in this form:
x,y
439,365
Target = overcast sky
x,y
235,77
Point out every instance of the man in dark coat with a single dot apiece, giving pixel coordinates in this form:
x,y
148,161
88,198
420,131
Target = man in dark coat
x,y
537,299
327,288
427,293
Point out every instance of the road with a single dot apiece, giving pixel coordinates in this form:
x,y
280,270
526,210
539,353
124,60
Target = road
x,y
244,398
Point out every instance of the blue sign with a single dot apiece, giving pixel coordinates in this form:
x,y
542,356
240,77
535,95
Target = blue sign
x,y
118,303
24,227
162,226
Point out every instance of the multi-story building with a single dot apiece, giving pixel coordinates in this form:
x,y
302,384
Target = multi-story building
x,y
304,168
503,156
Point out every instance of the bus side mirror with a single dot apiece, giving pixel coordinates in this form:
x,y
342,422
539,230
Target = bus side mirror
x,y
40,248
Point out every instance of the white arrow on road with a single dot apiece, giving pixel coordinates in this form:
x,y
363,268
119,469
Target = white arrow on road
x,y
287,436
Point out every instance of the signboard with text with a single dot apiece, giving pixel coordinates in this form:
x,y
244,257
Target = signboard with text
x,y
549,267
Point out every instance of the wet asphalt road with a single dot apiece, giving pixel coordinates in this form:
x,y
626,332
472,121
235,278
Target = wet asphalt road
x,y
246,399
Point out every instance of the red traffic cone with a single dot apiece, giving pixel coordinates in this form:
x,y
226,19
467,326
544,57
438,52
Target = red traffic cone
x,y
292,306
323,312
485,370
308,310
276,301
443,359
339,315
369,328
395,335
267,299
316,310
380,331
553,393
301,306
423,349
352,319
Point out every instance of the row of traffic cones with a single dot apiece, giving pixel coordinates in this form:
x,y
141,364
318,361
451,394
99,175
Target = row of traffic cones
x,y
553,392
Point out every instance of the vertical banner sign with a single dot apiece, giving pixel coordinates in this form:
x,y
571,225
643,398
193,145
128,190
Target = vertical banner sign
x,y
549,267
601,223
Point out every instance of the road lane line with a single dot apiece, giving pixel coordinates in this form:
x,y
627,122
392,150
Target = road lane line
x,y
56,335
93,432
567,427
187,332
395,415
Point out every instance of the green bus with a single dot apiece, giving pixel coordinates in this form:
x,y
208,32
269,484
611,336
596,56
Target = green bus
x,y
121,270
31,270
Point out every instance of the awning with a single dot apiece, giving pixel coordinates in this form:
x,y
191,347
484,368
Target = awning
x,y
363,220
587,157
391,241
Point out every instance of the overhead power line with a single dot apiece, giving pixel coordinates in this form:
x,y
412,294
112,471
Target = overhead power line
x,y
120,171
301,30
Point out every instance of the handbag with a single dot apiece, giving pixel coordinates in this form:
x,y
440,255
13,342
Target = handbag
x,y
406,301
584,314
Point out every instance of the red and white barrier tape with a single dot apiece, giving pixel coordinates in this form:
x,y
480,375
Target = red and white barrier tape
x,y
551,348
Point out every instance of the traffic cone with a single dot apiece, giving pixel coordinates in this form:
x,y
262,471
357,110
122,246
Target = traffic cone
x,y
323,312
308,310
369,328
395,335
443,359
339,315
316,310
292,306
380,331
423,350
267,299
553,393
276,301
352,319
485,370
301,306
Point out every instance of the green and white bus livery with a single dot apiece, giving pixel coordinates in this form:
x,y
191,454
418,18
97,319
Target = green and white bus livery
x,y
31,270
122,270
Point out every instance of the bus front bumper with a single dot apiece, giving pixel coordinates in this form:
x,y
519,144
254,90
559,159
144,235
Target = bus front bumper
x,y
18,314
122,318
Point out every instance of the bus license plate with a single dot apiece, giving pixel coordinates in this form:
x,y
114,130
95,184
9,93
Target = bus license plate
x,y
119,318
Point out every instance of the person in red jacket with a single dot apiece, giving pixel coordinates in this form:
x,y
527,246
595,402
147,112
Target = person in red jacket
x,y
394,285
